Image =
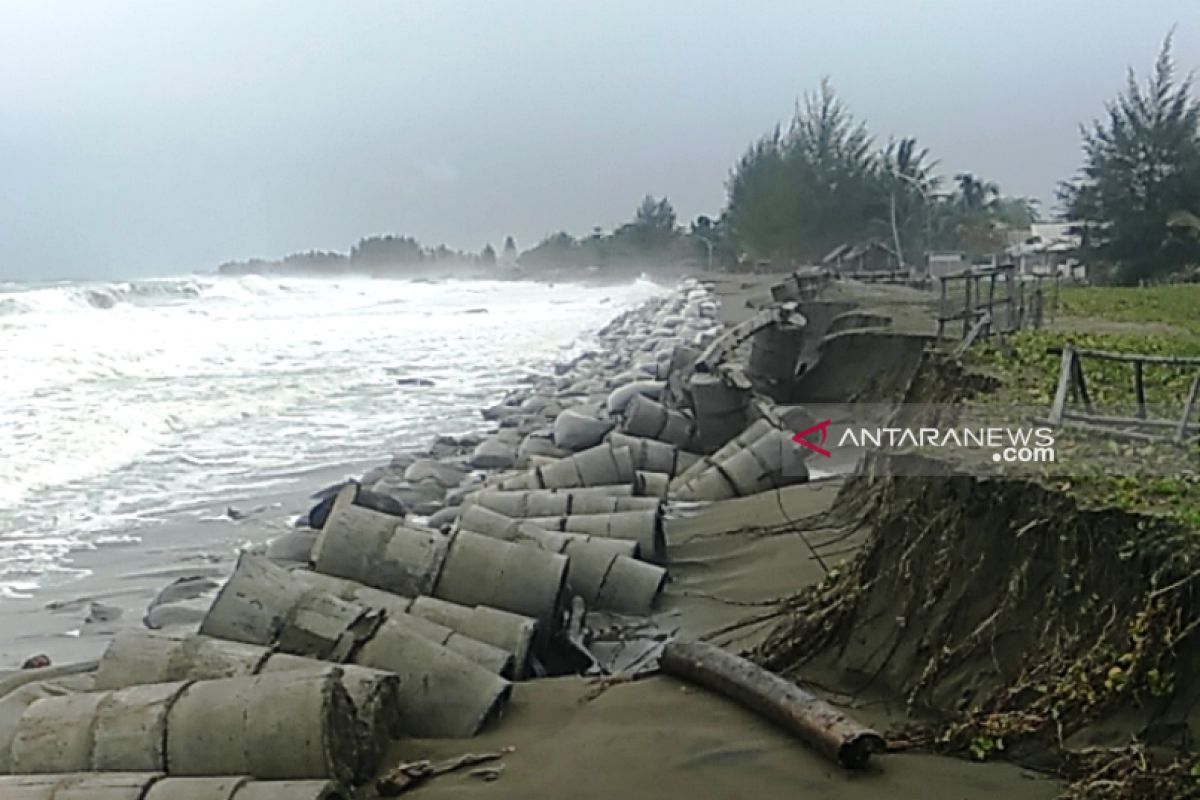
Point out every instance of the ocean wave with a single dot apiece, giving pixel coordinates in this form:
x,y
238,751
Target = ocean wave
x,y
54,298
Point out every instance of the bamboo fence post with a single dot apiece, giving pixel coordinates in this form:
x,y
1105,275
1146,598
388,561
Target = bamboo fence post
x,y
1139,389
1188,408
1066,373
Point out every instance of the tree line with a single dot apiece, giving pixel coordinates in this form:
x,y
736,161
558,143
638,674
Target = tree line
x,y
822,180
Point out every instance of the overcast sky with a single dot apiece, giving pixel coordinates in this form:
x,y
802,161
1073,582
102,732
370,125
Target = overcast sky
x,y
156,137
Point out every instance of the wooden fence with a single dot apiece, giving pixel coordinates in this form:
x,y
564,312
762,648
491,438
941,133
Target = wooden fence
x,y
994,301
1073,386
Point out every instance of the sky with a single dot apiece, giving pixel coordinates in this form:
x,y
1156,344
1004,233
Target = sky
x,y
155,137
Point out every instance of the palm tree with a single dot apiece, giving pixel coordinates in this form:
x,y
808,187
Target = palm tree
x,y
908,183
975,194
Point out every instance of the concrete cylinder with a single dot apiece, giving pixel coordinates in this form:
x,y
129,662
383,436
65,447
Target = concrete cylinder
x,y
378,549
652,455
153,786
518,578
653,485
264,604
774,357
442,693
650,419
513,633
722,410
643,527
597,466
631,586
752,432
556,502
199,728
491,658
281,726
138,656
769,462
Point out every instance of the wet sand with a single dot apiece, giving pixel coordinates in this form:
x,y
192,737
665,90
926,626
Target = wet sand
x,y
199,541
659,738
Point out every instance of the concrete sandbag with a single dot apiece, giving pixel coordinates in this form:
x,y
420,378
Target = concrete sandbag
x,y
153,786
679,369
55,734
13,706
264,604
652,455
722,409
280,726
144,657
375,549
136,656
294,546
771,461
491,658
538,443
510,529
513,577
377,698
591,558
775,356
574,430
494,453
650,419
630,586
199,728
442,693
11,680
446,475
653,485
751,433
513,633
496,640
620,397
642,526
290,790
597,466
613,581
80,786
551,502
244,789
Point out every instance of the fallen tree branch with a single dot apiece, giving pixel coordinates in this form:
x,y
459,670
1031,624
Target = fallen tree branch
x,y
829,731
411,775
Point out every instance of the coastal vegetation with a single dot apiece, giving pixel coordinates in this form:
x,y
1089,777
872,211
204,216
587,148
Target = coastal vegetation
x,y
825,180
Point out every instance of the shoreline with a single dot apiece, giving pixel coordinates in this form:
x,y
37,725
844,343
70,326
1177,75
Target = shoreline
x,y
713,556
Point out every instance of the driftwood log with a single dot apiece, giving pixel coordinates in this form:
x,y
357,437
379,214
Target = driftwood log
x,y
827,730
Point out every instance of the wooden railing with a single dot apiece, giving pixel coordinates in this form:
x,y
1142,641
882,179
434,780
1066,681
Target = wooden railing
x,y
1073,386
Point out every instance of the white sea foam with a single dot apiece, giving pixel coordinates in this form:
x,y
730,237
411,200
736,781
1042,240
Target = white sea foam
x,y
124,401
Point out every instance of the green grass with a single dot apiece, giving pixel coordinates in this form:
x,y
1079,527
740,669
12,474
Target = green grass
x,y
1172,304
1103,470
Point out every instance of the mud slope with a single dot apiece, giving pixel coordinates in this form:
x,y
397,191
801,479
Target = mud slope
x,y
871,366
1006,613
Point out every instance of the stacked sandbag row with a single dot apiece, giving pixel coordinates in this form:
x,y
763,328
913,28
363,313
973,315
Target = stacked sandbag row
x,y
156,786
465,568
206,728
442,693
761,458
602,569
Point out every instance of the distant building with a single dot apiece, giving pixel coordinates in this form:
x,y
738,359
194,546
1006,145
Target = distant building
x,y
947,262
864,257
1049,248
